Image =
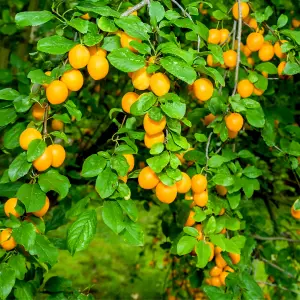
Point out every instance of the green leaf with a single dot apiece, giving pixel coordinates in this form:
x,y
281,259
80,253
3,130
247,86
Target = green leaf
x,y
159,162
53,181
293,34
157,149
219,15
186,244
143,104
125,60
33,18
78,207
223,179
32,197
218,240
106,24
192,231
7,116
91,39
216,161
19,167
215,293
106,183
269,133
266,67
111,43
234,199
133,233
255,117
291,68
38,76
8,94
25,235
18,264
134,27
93,166
200,215
44,249
79,24
250,185
203,253
129,208
282,21
120,164
35,149
22,103
252,172
9,189
100,10
201,30
174,109
55,44
232,223
156,11
113,217
63,117
262,82
7,280
173,49
11,136
179,68
58,284
251,289
61,135
210,226
24,290
217,53
82,231
72,110
141,48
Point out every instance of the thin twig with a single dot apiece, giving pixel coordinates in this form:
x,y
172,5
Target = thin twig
x,y
277,267
269,28
274,238
234,34
134,8
278,286
189,16
45,132
207,148
239,36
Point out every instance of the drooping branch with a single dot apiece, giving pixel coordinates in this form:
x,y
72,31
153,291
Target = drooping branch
x,y
278,286
274,238
189,16
239,37
134,8
277,267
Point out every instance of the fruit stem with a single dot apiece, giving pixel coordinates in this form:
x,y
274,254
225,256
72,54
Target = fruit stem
x,y
45,132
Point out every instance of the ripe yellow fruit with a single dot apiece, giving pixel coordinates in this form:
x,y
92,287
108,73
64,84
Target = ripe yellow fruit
x,y
215,271
223,276
151,140
208,119
148,179
40,213
58,155
44,161
246,51
85,16
280,68
212,250
232,134
245,10
277,49
95,50
203,89
98,67
257,92
130,161
220,261
224,34
221,190
201,199
253,23
235,258
266,52
245,88
7,242
141,79
190,220
73,80
234,122
128,99
79,56
38,111
9,207
27,136
57,124
166,194
159,84
199,183
230,58
57,92
125,41
255,41
210,61
153,127
214,36
185,184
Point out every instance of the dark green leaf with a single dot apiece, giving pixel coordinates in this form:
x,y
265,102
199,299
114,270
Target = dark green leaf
x,y
106,183
55,44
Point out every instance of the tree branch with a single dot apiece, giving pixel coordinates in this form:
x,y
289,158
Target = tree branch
x,y
189,16
274,238
277,267
239,35
134,8
278,286
234,34
45,132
